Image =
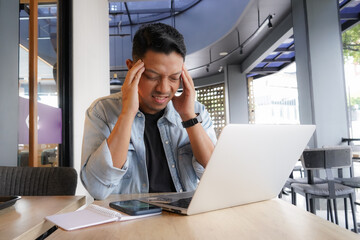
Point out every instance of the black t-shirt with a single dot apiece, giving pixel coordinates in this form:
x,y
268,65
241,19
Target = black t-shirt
x,y
158,169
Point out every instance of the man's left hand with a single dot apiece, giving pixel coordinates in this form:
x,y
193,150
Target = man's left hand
x,y
184,104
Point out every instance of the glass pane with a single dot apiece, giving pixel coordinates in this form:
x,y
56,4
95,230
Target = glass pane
x,y
276,98
351,40
272,55
286,55
49,114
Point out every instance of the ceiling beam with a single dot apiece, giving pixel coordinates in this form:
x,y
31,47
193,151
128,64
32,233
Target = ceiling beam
x,y
265,70
276,36
289,60
288,49
127,11
349,16
345,4
348,24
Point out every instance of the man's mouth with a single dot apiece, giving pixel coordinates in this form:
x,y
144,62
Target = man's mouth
x,y
160,99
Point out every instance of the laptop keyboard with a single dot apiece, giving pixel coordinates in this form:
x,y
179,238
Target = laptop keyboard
x,y
183,203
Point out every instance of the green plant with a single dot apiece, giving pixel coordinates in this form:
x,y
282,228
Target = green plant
x,y
351,44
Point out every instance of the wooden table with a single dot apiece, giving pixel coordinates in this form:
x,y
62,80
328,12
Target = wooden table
x,y
25,219
272,219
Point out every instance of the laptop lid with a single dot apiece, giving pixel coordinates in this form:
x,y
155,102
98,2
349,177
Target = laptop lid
x,y
250,163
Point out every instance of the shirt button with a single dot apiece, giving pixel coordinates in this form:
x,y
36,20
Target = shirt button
x,y
139,114
166,142
173,166
181,190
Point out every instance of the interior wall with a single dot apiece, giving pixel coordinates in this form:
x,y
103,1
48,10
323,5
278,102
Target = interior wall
x,y
320,70
9,91
236,95
91,65
210,80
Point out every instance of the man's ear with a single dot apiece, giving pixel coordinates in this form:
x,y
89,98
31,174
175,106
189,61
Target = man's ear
x,y
129,63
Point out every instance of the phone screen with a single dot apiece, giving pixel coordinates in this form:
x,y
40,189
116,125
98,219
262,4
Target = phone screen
x,y
135,207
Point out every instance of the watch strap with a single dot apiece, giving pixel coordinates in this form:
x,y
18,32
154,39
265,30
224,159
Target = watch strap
x,y
192,122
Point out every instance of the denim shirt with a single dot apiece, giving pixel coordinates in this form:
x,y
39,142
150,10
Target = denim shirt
x,y
101,178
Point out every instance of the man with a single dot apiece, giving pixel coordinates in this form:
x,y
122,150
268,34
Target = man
x,y
146,139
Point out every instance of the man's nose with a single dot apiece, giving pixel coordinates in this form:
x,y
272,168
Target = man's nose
x,y
163,85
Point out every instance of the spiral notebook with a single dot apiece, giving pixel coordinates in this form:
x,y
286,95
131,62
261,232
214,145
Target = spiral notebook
x,y
90,216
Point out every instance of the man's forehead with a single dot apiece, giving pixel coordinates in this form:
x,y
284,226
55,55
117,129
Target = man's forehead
x,y
164,64
155,72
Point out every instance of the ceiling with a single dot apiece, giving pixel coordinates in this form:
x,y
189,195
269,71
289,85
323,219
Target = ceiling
x,y
285,53
136,12
231,48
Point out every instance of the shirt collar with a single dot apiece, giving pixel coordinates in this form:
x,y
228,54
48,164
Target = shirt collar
x,y
170,113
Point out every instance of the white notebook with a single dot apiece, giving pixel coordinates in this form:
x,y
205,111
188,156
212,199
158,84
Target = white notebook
x,y
90,216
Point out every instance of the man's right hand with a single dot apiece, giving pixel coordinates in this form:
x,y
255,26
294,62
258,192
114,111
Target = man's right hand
x,y
129,89
119,138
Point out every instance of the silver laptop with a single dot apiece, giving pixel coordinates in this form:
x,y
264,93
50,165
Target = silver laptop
x,y
250,163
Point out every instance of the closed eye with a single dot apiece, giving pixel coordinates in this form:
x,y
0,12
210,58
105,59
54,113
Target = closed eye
x,y
151,77
175,77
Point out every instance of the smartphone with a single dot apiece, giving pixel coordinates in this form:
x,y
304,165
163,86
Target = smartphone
x,y
135,207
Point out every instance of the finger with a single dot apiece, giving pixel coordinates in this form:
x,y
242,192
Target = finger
x,y
187,80
137,76
135,68
188,76
133,72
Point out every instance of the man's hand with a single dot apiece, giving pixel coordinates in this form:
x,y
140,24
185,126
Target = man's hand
x,y
184,104
119,138
130,97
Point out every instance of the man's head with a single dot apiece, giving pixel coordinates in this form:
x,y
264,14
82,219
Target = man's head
x,y
157,37
162,49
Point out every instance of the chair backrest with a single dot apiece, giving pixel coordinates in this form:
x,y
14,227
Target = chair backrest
x,y
37,181
327,158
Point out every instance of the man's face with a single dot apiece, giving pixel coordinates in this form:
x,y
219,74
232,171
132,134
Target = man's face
x,y
160,80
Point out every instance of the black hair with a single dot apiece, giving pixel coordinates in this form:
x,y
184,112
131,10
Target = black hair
x,y
157,37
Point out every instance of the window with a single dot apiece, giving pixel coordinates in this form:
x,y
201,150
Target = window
x,y
351,41
213,97
53,94
273,99
47,86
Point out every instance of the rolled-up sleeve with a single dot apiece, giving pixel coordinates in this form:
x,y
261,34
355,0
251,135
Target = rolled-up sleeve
x,y
97,174
209,129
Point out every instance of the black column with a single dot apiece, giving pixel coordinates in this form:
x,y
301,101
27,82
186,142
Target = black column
x,y
65,80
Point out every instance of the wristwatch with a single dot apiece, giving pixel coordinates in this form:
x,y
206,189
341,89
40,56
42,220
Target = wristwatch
x,y
193,121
